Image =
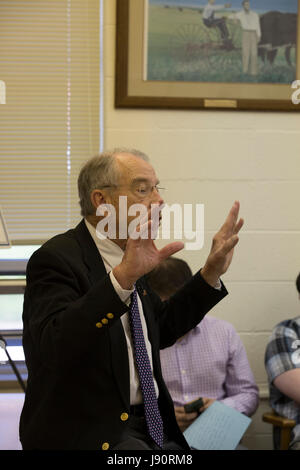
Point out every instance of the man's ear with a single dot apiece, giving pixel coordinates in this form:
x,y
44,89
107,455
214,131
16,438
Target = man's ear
x,y
97,198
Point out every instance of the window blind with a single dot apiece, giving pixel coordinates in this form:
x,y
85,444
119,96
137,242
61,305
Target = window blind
x,y
49,126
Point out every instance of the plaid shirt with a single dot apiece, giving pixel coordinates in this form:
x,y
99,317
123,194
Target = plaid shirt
x,y
283,354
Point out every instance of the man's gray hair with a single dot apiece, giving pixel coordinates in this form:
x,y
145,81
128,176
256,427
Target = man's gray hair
x,y
99,172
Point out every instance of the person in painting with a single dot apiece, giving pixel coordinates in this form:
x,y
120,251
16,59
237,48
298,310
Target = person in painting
x,y
251,36
211,21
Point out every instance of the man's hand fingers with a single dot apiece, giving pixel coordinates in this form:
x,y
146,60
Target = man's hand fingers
x,y
229,224
170,249
179,409
183,416
238,226
229,245
188,417
141,231
149,224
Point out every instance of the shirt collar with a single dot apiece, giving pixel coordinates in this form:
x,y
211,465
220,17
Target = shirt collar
x,y
111,253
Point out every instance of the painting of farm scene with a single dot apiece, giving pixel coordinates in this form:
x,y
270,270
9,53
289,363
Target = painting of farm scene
x,y
209,41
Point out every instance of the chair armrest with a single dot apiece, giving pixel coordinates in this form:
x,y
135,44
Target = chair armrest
x,y
278,421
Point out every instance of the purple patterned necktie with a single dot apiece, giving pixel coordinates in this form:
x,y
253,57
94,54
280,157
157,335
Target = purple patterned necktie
x,y
152,414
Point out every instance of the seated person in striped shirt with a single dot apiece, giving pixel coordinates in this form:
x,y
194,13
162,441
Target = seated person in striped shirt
x,y
282,362
210,361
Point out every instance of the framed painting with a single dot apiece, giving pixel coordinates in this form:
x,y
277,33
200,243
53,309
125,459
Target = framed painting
x,y
203,54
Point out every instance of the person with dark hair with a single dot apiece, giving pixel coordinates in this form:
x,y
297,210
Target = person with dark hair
x,y
282,362
210,361
168,277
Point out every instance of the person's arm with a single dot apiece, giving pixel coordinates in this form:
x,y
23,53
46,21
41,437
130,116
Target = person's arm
x,y
240,386
185,309
124,294
221,253
289,384
233,16
282,360
141,256
258,30
221,7
62,317
236,17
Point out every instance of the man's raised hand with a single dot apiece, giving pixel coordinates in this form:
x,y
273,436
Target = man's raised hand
x,y
141,254
222,249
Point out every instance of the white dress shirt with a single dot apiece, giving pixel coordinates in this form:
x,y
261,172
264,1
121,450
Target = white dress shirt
x,y
249,21
112,255
209,10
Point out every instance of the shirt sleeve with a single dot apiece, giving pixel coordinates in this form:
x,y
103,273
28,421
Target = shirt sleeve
x,y
258,30
122,293
235,16
240,386
282,352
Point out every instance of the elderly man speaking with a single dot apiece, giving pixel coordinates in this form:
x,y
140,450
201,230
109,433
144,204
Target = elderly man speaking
x,y
93,328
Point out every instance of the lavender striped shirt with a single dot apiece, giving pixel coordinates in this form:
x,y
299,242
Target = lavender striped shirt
x,y
210,361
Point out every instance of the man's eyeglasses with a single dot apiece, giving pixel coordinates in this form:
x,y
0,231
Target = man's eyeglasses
x,y
142,190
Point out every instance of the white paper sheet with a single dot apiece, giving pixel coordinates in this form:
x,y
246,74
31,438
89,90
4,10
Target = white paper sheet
x,y
217,428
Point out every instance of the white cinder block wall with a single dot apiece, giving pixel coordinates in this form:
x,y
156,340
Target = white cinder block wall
x,y
214,158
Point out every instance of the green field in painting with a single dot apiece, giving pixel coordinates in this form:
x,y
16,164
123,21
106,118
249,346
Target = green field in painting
x,y
182,48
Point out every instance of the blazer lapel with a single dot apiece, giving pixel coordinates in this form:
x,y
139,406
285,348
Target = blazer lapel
x,y
118,345
90,252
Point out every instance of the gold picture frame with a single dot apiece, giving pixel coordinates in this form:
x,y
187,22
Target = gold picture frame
x,y
4,239
134,90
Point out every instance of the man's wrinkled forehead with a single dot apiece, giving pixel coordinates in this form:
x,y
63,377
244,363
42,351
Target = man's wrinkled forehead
x,y
133,170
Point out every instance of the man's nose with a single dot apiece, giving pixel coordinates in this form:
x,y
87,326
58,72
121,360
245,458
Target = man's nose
x,y
157,197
